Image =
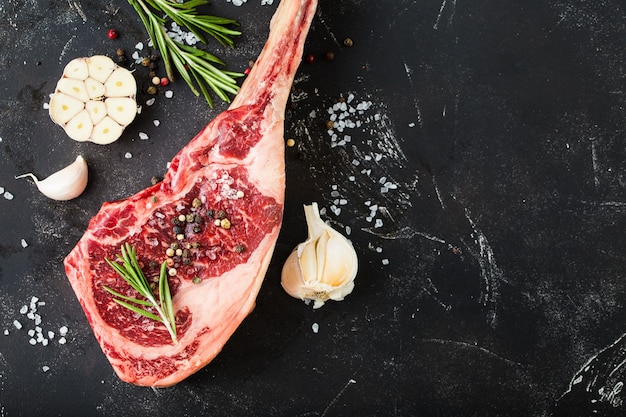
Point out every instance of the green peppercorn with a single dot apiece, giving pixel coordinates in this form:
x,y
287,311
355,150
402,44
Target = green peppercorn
x,y
240,248
154,264
151,90
196,280
186,261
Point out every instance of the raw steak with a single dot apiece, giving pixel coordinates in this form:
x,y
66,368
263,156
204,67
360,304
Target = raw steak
x,y
233,169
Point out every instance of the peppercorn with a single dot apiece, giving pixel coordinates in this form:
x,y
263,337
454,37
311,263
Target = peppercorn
x,y
182,218
330,124
179,252
154,264
152,74
156,80
154,57
186,261
195,245
186,253
145,61
221,214
197,229
178,230
152,90
290,143
310,58
120,52
152,65
196,280
190,218
196,203
164,81
240,248
348,42
225,224
210,213
174,245
329,56
113,34
170,252
198,219
155,180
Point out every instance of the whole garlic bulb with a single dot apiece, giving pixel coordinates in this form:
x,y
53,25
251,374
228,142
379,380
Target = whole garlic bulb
x,y
323,267
65,184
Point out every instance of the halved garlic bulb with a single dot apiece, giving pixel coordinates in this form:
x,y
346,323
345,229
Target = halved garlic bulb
x,y
91,89
323,267
66,184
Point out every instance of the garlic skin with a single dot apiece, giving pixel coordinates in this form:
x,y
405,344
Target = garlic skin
x,y
323,267
66,184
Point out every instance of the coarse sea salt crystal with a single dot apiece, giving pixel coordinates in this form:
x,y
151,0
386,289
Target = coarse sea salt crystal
x,y
6,332
24,243
385,261
169,94
63,330
8,195
45,368
315,327
62,341
17,324
24,309
128,155
150,101
156,122
143,136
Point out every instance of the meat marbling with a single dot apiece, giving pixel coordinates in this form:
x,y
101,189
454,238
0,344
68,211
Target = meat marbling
x,y
234,168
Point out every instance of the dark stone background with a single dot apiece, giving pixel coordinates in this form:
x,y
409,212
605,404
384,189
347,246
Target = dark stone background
x,y
494,285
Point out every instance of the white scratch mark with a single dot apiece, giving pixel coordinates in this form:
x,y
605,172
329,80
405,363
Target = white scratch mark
x,y
471,346
594,163
489,272
409,75
441,10
65,48
345,387
78,8
438,192
330,32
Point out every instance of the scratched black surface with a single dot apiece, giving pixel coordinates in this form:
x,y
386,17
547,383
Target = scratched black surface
x,y
495,284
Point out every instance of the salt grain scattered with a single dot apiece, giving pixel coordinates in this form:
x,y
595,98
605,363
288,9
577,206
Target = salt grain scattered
x,y
63,331
24,243
143,136
45,368
6,332
24,309
156,122
62,341
128,155
315,327
150,101
385,261
8,195
169,94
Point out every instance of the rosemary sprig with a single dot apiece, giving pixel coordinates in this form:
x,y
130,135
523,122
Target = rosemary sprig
x,y
130,270
196,66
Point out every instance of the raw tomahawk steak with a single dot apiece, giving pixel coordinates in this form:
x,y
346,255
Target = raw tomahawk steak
x,y
229,184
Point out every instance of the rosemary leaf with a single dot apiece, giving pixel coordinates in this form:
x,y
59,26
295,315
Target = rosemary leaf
x,y
131,272
192,64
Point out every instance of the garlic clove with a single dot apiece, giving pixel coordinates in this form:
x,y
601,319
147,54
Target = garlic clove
x,y
80,127
323,267
65,184
100,67
76,69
